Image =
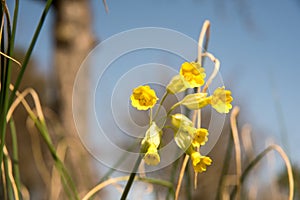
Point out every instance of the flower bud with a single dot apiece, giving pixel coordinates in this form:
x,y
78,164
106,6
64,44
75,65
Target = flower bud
x,y
176,85
195,101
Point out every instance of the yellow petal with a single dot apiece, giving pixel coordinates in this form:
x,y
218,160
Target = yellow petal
x,y
143,98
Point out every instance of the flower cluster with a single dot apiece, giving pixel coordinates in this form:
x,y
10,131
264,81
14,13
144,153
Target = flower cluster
x,y
187,137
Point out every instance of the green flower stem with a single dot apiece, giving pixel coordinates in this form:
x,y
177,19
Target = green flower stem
x,y
173,108
131,178
161,103
151,115
157,182
15,159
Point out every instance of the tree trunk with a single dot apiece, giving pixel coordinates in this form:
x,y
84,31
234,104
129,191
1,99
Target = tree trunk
x,y
74,40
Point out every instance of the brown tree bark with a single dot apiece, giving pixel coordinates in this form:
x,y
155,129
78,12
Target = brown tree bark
x,y
74,39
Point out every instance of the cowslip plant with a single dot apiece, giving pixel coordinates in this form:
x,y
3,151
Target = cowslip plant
x,y
188,137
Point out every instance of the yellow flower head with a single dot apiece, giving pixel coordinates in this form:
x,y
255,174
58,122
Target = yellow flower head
x,y
196,157
221,100
199,162
152,137
152,157
193,73
143,98
200,137
202,164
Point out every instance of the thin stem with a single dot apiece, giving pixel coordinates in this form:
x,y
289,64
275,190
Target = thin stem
x,y
2,62
157,182
258,158
173,175
101,185
6,81
120,161
15,159
131,178
214,73
188,184
8,186
30,49
173,108
160,104
204,32
226,164
237,146
151,115
184,164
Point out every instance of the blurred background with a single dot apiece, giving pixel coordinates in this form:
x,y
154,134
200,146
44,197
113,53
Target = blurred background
x,y
257,43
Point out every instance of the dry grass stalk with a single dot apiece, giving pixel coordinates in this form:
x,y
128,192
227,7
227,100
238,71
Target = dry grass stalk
x,y
21,99
181,174
229,180
249,150
37,152
100,186
233,123
10,174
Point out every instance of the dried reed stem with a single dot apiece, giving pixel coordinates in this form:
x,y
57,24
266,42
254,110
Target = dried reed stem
x,y
104,184
205,31
259,157
106,6
289,169
21,98
10,174
12,59
204,34
233,116
249,150
229,180
185,161
214,73
55,179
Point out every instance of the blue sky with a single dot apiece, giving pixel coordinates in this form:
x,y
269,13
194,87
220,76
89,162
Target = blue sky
x,y
258,50
258,45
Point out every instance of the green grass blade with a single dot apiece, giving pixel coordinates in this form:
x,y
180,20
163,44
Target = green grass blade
x,y
15,158
30,49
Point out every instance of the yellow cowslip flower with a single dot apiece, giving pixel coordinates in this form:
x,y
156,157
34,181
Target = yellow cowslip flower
x,y
193,73
221,99
200,137
143,98
150,144
202,164
195,101
152,136
195,157
199,162
152,157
